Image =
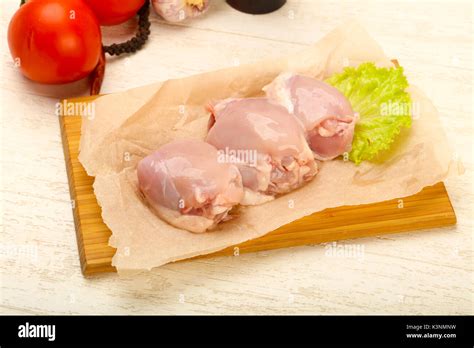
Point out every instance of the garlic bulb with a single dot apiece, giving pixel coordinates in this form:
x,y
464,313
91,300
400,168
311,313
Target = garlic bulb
x,y
179,10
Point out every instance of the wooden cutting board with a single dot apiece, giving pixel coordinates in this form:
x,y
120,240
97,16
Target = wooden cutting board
x,y
429,208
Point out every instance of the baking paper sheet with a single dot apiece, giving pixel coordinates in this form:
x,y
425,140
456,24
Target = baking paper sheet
x,y
128,126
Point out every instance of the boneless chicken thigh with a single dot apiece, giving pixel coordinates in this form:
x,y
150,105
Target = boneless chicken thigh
x,y
187,185
323,111
265,142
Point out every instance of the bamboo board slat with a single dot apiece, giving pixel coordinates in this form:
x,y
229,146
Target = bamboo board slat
x,y
427,209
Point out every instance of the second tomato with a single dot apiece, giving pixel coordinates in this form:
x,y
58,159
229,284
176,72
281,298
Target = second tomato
x,y
112,12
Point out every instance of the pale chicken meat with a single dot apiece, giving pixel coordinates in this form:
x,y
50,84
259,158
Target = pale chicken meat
x,y
188,186
324,112
265,142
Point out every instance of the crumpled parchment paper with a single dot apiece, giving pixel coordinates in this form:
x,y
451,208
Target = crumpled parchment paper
x,y
128,126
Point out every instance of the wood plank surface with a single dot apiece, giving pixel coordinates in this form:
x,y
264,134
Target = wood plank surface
x,y
429,208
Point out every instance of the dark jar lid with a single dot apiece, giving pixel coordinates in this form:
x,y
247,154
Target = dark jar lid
x,y
256,6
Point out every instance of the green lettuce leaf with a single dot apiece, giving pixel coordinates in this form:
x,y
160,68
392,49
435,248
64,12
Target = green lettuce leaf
x,y
379,96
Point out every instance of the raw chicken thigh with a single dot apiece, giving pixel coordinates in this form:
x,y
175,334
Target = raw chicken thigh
x,y
324,112
188,187
265,142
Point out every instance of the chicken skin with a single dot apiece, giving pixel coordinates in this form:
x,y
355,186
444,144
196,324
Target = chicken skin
x,y
324,112
265,142
187,185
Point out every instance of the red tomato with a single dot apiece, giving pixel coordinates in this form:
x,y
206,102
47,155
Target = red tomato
x,y
112,12
55,41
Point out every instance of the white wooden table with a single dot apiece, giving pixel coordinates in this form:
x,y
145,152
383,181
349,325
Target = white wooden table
x,y
428,272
